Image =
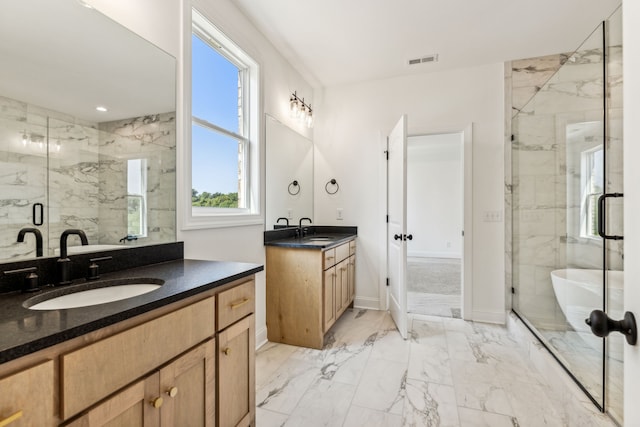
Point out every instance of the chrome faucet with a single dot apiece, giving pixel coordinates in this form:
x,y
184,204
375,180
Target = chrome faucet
x,y
64,263
301,230
36,233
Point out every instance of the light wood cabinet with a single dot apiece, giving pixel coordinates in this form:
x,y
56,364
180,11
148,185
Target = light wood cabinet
x,y
169,367
307,291
181,393
236,374
26,397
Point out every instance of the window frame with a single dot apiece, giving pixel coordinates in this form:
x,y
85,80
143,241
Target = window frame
x,y
589,198
203,217
142,196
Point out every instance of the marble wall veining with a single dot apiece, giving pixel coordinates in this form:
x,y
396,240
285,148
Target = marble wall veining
x,y
78,171
152,138
556,116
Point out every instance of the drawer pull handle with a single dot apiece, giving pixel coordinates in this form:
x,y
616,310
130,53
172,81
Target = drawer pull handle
x,y
330,257
157,402
10,419
227,351
238,304
173,391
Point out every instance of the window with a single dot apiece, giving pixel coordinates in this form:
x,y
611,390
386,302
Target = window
x,y
591,187
137,197
224,154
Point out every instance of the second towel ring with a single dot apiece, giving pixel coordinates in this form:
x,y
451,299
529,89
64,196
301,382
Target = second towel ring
x,y
295,185
332,181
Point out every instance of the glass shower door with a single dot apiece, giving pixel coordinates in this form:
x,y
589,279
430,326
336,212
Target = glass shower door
x,y
614,259
558,172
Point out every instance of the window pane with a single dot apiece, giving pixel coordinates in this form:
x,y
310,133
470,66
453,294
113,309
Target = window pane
x,y
215,87
215,169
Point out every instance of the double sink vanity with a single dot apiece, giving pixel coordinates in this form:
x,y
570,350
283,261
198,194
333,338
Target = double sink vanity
x,y
310,282
182,353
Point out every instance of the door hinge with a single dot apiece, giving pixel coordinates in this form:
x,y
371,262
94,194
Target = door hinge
x,y
386,154
387,281
513,137
513,290
387,219
462,233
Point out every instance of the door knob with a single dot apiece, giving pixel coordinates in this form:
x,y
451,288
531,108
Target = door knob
x,y
409,237
601,325
397,237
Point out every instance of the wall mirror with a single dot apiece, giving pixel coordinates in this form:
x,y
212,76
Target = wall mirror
x,y
87,130
289,175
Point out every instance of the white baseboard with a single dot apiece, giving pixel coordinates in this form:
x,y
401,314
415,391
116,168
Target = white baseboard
x,y
497,317
261,337
367,302
427,254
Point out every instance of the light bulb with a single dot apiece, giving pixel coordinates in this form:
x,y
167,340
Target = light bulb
x,y
293,107
25,139
310,119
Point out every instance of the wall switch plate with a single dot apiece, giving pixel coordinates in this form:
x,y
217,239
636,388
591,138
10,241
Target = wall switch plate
x,y
290,213
339,213
492,216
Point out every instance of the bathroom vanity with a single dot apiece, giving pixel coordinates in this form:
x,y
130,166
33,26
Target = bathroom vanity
x,y
310,283
182,354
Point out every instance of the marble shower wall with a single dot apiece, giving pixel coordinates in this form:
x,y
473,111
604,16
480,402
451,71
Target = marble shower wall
x,y
80,176
557,115
152,138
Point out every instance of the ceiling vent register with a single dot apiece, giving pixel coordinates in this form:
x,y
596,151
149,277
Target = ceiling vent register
x,y
423,60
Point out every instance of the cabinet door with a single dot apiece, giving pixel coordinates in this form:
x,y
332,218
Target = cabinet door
x,y
352,277
187,386
236,374
343,278
26,398
328,297
138,405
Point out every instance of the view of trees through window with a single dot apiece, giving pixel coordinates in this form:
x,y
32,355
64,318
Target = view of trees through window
x,y
215,200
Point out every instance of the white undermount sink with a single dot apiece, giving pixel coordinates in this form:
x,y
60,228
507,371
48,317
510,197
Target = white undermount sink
x,y
89,294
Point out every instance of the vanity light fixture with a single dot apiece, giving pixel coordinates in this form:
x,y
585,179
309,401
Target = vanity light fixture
x,y
300,110
25,138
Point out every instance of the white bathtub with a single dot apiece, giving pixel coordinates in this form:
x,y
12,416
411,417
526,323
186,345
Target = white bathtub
x,y
579,291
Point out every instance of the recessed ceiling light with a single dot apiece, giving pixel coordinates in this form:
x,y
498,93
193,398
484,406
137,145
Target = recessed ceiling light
x,y
101,109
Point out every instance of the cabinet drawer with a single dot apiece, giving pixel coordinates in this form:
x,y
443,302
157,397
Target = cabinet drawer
x,y
27,397
235,303
342,252
352,247
329,258
99,369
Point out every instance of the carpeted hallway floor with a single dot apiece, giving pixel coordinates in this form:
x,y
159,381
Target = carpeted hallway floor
x,y
433,286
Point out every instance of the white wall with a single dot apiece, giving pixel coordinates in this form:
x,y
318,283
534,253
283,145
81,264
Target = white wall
x,y
351,125
631,54
161,22
434,195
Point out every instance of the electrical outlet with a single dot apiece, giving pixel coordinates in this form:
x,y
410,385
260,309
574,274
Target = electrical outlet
x,y
339,213
290,213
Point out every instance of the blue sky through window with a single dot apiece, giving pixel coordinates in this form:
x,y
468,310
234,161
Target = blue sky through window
x,y
214,99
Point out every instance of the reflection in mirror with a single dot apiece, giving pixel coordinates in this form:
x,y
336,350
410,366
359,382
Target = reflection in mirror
x,y
111,174
289,175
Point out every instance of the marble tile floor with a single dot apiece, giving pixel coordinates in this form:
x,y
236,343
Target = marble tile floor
x,y
449,372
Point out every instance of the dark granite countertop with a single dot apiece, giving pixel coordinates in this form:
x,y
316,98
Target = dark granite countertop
x,y
316,237
312,242
24,331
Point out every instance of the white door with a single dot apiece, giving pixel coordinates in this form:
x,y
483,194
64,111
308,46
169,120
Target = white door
x,y
397,224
